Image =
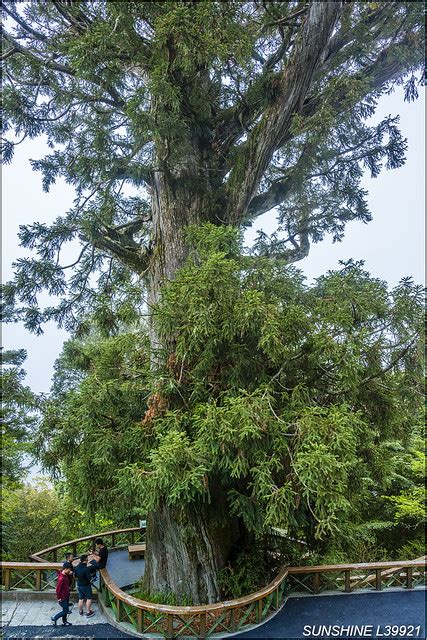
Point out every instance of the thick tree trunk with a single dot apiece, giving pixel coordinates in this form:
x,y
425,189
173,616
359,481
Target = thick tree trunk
x,y
186,547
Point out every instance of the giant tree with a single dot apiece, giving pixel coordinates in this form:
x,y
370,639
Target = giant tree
x,y
214,112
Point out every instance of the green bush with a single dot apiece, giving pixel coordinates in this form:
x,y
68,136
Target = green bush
x,y
162,597
250,571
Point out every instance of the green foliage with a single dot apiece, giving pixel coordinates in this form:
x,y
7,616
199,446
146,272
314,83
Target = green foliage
x,y
92,422
250,571
161,597
36,516
410,503
30,520
289,396
18,416
123,90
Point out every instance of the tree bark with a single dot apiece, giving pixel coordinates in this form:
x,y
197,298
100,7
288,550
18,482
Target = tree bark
x,y
186,549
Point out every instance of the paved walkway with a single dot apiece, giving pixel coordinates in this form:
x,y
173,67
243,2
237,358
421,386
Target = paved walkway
x,y
95,631
123,571
35,614
376,609
38,612
31,619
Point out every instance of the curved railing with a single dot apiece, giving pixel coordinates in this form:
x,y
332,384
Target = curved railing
x,y
114,540
235,615
222,617
200,621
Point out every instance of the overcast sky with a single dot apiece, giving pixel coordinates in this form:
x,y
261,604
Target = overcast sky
x,y
392,245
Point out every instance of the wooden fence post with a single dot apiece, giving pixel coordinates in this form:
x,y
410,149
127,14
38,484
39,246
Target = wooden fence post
x,y
139,620
347,581
259,610
233,619
316,582
378,584
169,626
6,579
409,577
118,603
38,580
202,625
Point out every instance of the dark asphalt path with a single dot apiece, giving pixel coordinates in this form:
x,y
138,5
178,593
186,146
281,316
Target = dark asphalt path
x,y
376,608
123,571
98,631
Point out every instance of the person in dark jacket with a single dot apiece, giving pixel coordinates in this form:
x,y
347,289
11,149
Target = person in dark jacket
x,y
63,594
100,555
84,587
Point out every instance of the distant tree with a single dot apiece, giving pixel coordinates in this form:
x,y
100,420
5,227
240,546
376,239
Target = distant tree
x,y
215,112
39,515
18,416
30,520
410,504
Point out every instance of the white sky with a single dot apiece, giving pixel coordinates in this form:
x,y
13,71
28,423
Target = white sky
x,y
392,244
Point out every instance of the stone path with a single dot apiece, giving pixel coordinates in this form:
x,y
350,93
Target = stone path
x,y
31,619
38,612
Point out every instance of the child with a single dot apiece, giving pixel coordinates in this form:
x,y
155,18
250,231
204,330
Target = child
x,y
63,594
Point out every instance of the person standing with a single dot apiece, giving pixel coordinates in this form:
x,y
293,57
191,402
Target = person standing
x,y
63,594
84,587
69,560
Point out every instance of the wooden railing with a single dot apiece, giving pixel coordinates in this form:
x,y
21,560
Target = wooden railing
x,y
222,617
235,615
35,576
199,621
113,539
350,577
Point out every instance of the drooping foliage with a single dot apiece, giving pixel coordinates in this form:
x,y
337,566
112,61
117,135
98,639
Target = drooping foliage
x,y
244,106
294,399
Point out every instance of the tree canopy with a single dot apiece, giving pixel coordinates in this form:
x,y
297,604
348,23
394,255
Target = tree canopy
x,y
276,96
292,398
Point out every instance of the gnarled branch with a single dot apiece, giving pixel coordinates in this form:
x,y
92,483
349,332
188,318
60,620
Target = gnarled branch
x,y
256,154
